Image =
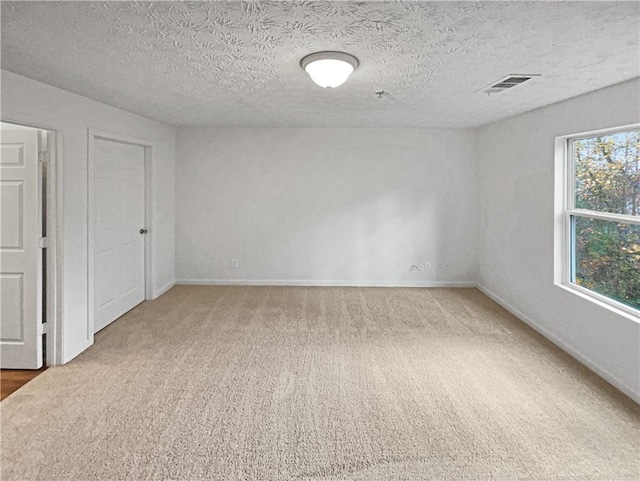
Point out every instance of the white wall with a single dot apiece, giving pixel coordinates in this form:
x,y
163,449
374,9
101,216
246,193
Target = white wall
x,y
516,238
325,206
34,103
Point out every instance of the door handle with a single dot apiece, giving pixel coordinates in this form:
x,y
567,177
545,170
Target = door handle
x,y
143,231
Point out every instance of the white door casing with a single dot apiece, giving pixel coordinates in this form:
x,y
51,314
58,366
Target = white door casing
x,y
117,214
20,254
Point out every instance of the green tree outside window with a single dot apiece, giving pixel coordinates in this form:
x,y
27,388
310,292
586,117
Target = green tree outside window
x,y
607,179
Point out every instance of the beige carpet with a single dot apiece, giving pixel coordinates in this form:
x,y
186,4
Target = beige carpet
x,y
270,383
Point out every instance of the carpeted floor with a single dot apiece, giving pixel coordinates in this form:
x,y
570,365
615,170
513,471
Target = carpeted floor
x,y
273,383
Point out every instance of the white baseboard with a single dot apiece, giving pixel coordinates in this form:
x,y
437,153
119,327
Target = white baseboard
x,y
163,289
582,358
317,283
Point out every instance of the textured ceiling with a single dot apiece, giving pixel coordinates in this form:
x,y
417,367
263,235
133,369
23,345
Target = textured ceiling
x,y
237,63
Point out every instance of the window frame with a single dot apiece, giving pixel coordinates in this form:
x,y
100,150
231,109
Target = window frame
x,y
566,212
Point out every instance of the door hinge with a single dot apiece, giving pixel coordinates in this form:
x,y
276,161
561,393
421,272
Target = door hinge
x,y
42,328
43,242
43,156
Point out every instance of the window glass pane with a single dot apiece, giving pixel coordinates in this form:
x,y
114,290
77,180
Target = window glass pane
x,y
607,259
608,173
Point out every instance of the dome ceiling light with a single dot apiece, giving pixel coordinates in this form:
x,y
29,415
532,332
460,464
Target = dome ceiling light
x,y
329,69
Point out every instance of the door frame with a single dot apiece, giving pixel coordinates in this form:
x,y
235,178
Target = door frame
x,y
54,224
149,146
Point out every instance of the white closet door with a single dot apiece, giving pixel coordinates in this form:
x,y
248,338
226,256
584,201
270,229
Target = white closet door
x,y
20,273
118,215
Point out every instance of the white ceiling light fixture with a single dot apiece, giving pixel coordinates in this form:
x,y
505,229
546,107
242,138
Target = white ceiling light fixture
x,y
329,69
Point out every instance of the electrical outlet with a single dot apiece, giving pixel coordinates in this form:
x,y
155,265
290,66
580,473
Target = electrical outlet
x,y
427,266
234,263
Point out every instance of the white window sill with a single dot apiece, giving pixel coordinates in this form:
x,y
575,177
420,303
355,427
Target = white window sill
x,y
623,310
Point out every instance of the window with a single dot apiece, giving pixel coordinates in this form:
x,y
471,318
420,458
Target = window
x,y
601,218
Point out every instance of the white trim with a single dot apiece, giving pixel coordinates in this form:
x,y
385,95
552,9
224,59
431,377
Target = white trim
x,y
594,214
603,301
157,293
319,283
607,376
594,133
561,244
149,148
55,219
56,229
90,227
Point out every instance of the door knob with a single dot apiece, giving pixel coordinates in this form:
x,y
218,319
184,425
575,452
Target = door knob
x,y
143,231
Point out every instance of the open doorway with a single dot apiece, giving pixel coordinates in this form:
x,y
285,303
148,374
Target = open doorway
x,y
27,250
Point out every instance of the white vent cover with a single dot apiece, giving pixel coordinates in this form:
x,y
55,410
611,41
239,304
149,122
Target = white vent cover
x,y
508,82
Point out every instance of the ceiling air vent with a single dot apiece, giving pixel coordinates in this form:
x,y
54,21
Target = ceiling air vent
x,y
506,83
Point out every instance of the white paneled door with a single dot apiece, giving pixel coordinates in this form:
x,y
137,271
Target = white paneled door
x,y
118,227
20,254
